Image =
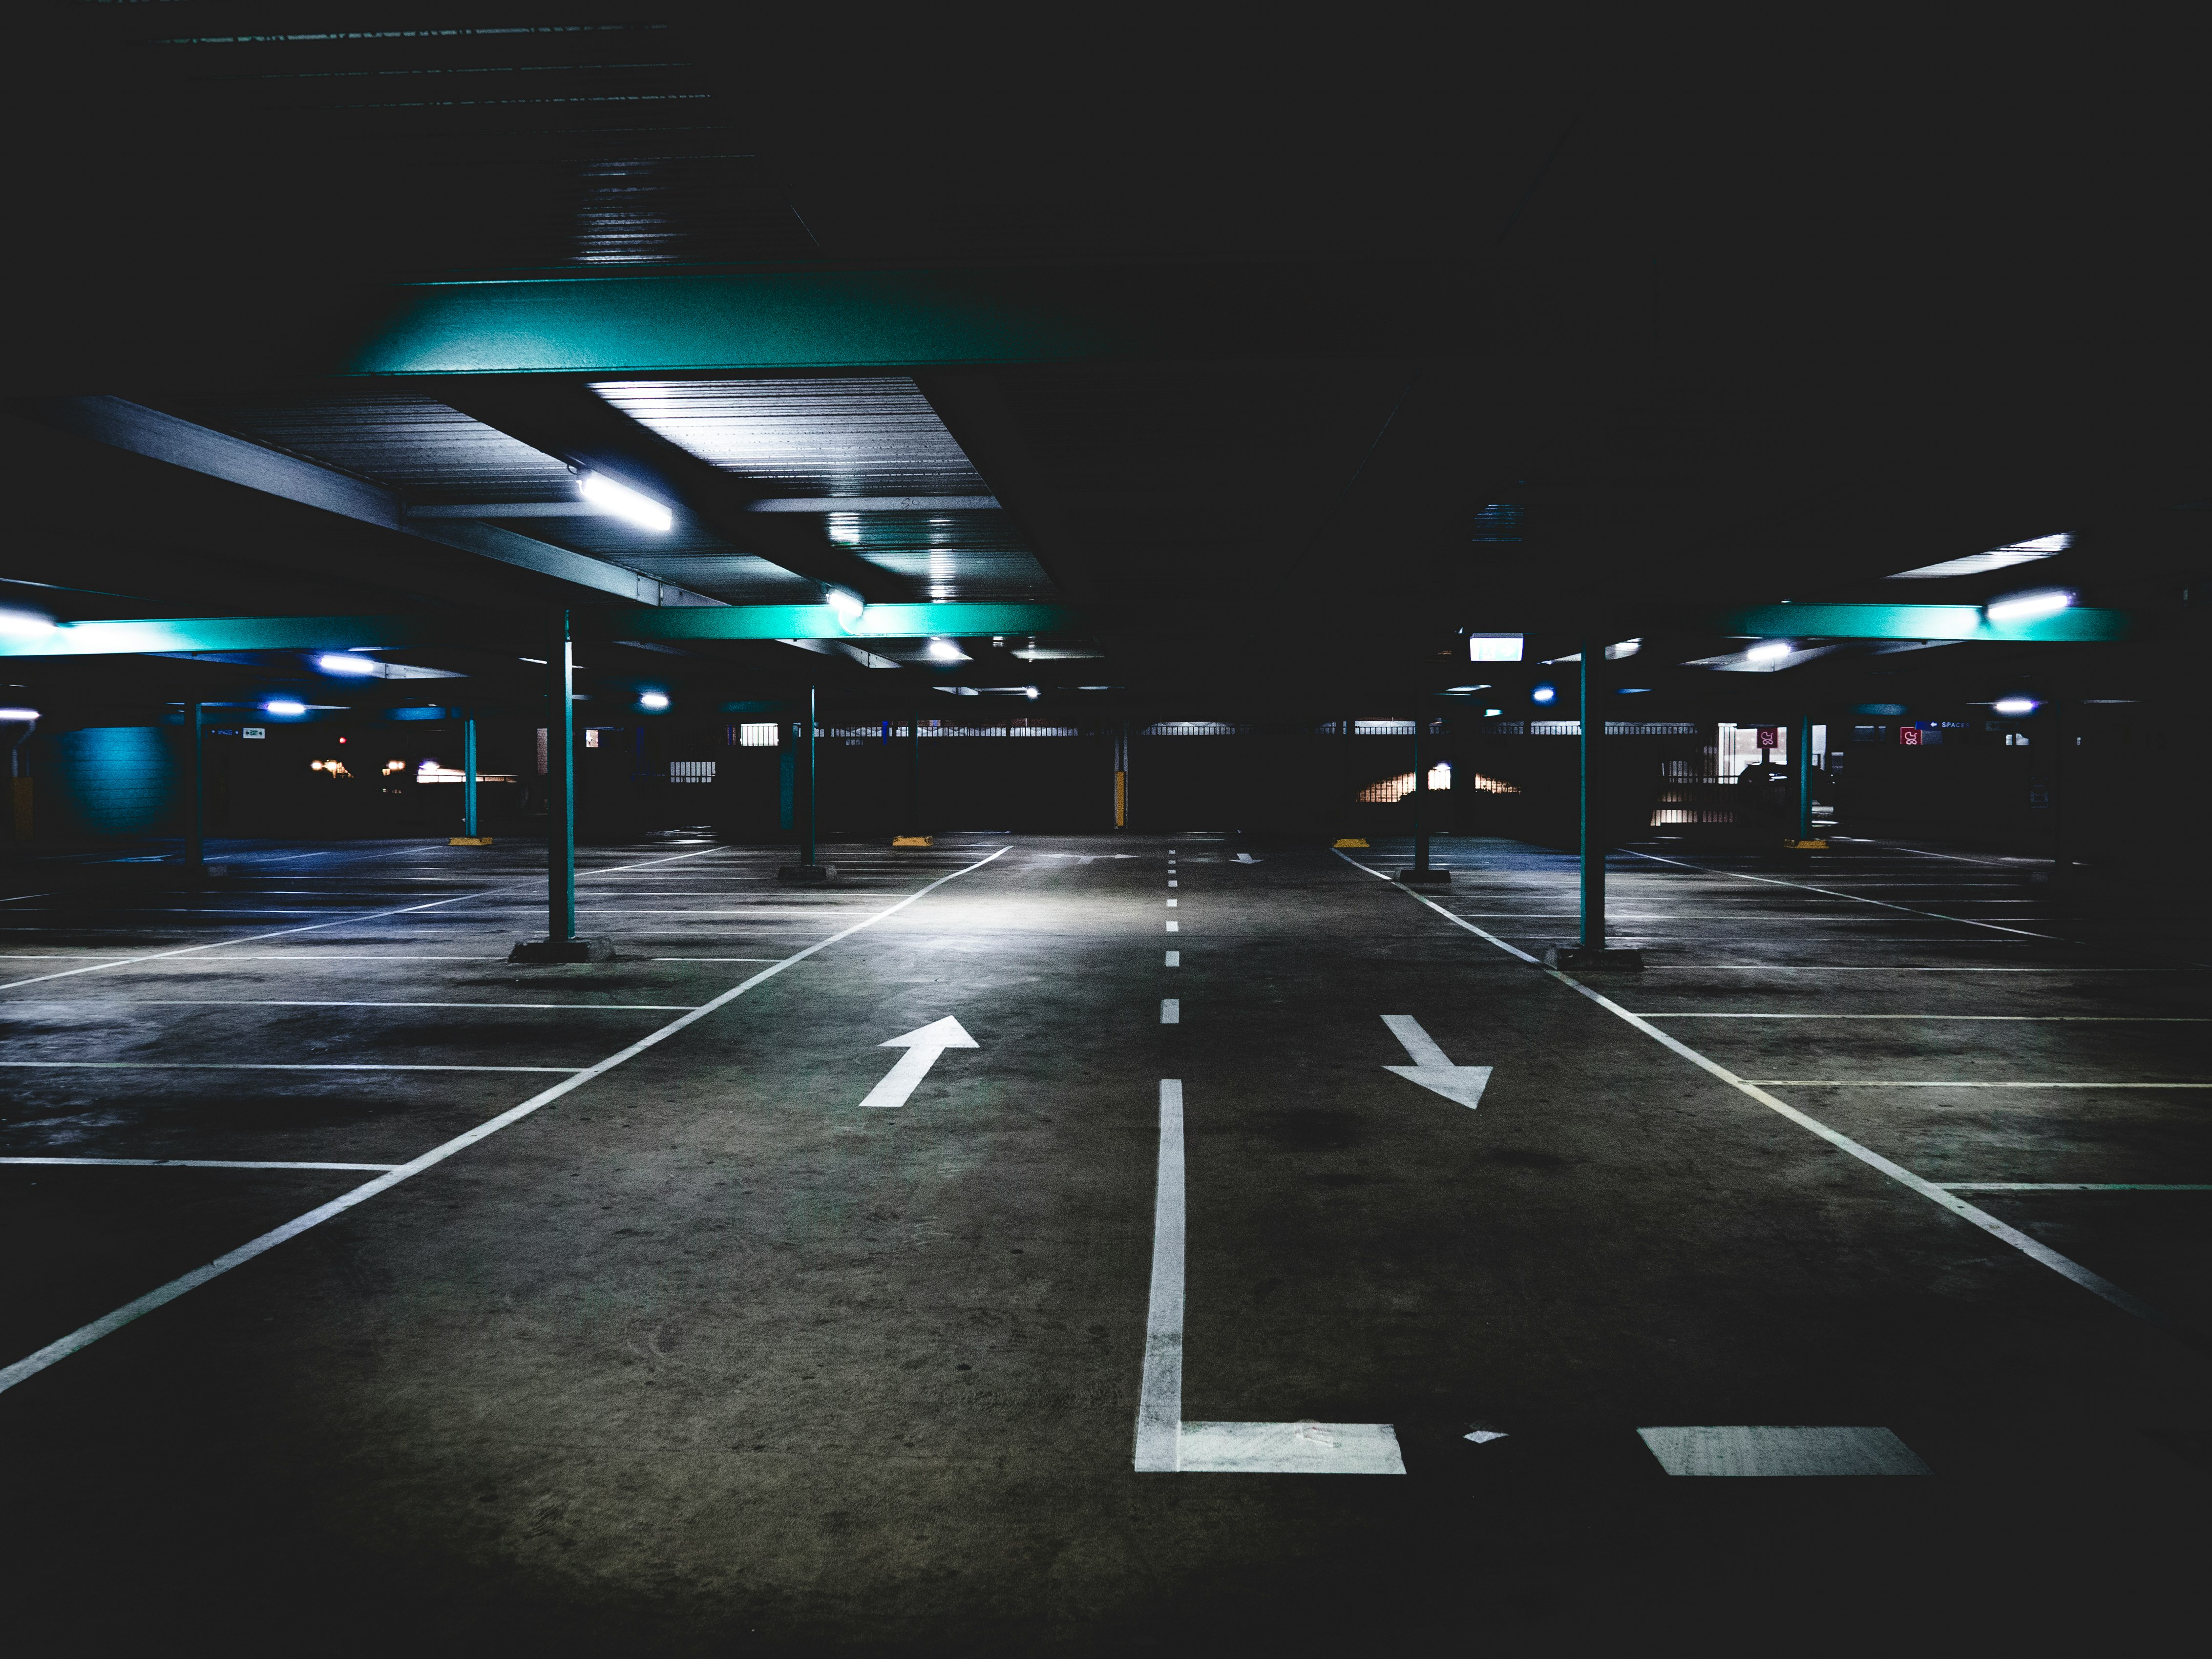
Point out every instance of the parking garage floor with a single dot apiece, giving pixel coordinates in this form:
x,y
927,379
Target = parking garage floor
x,y
1060,1243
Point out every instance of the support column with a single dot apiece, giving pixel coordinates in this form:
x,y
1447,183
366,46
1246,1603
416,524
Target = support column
x,y
912,835
1804,770
195,794
809,867
561,943
1592,951
1421,875
469,776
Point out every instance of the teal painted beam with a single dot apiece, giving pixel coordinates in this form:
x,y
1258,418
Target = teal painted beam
x,y
705,622
670,323
1918,622
819,622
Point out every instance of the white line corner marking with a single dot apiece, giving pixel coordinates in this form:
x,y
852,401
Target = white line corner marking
x,y
1432,1067
1168,1445
922,1046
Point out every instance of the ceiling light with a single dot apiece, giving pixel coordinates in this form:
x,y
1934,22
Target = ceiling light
x,y
339,662
946,651
625,503
1545,693
2027,607
1029,691
652,700
18,713
25,622
1487,713
1997,558
1493,647
1624,648
2015,707
1771,651
1485,686
940,592
284,706
1631,690
847,603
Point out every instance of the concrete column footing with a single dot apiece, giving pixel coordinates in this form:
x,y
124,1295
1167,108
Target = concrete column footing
x,y
1426,878
564,950
807,872
1578,958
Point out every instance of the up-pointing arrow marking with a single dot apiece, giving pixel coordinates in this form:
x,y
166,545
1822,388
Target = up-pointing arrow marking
x,y
1246,857
922,1047
1432,1067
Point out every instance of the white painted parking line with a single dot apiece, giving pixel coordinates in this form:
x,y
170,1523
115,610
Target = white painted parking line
x,y
2029,1019
1880,968
1173,926
1175,958
714,958
1747,1450
2033,1249
2073,1186
1168,1445
193,1164
278,1002
1171,904
1170,1011
1807,887
1958,1083
30,1364
245,1066
1174,884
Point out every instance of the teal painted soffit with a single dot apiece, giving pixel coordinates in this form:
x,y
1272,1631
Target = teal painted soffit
x,y
1918,622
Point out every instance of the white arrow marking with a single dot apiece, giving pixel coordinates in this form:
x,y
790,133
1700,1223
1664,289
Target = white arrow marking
x,y
922,1047
1483,1437
1432,1067
1246,857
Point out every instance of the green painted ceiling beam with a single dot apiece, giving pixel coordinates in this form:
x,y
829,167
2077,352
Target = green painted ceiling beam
x,y
1917,622
727,621
766,320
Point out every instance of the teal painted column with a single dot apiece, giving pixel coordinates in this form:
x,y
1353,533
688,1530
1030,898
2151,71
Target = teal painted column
x,y
195,794
806,844
1805,778
1592,826
468,775
560,809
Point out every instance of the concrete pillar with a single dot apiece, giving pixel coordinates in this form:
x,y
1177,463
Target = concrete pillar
x,y
468,775
1591,817
560,810
195,794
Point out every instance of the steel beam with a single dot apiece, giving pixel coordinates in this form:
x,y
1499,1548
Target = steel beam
x,y
1918,622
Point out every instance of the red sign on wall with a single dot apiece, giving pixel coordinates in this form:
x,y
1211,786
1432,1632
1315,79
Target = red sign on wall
x,y
1770,736
1909,736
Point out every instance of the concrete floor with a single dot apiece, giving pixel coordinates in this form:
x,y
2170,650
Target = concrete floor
x,y
700,1356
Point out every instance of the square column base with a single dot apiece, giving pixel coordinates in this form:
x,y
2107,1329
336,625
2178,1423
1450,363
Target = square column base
x,y
807,873
1426,878
1577,958
564,950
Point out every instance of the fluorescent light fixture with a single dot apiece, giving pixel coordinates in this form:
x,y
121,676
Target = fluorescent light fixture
x,y
652,700
1631,690
1029,691
1624,648
1997,558
1488,712
1485,686
1769,651
946,651
1545,693
18,713
626,503
25,622
284,706
847,603
340,662
1493,647
2027,607
2015,707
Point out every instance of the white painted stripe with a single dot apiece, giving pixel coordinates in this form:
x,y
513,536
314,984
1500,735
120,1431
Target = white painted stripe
x,y
2031,1019
1174,884
1160,1399
1749,1450
193,1164
30,1364
2073,1186
1807,887
1879,968
278,1002
244,1065
2033,1249
1892,1083
1175,958
1171,904
714,958
1170,1011
1174,927
1289,1448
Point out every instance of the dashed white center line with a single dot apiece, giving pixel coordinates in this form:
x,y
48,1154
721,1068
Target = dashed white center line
x,y
1175,958
1170,1011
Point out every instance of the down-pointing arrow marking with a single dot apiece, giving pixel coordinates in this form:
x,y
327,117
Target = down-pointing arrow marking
x,y
1432,1067
922,1046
